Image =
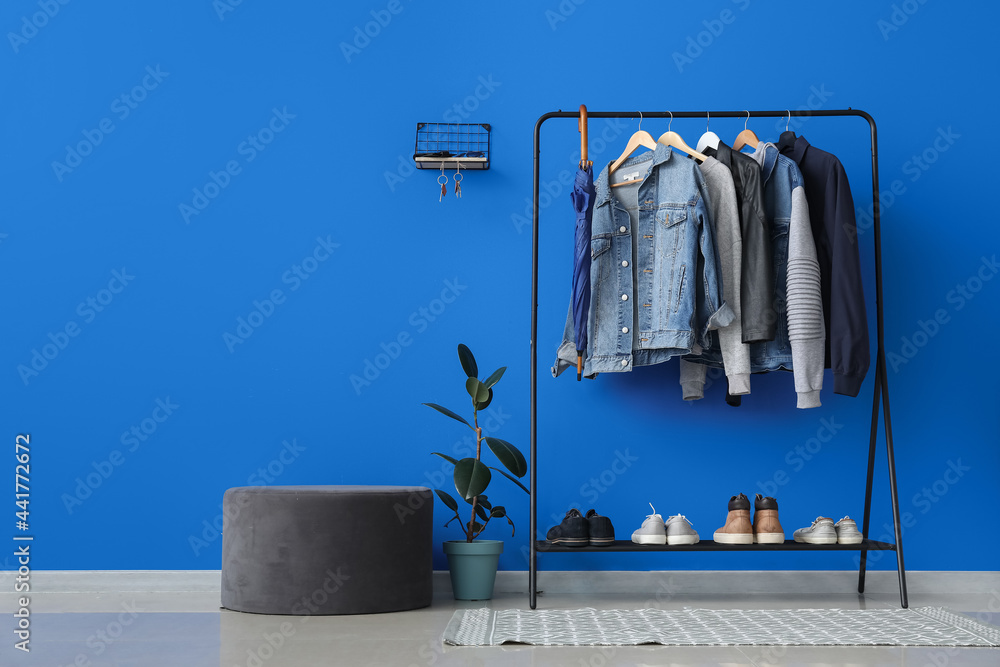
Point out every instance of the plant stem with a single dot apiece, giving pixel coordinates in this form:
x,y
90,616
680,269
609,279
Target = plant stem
x,y
479,446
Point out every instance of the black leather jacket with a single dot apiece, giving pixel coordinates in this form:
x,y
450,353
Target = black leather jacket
x,y
757,288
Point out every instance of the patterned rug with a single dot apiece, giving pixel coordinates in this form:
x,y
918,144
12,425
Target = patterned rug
x,y
924,626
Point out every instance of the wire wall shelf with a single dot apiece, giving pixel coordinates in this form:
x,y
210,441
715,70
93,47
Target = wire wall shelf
x,y
449,145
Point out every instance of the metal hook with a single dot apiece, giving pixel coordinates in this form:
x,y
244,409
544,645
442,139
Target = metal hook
x,y
788,119
671,120
708,120
747,120
640,120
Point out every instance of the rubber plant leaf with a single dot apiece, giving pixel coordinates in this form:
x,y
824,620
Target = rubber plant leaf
x,y
446,411
509,455
468,361
511,478
471,477
493,379
477,390
447,500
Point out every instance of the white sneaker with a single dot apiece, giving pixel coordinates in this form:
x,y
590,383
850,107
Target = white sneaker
x,y
679,530
652,530
821,531
847,531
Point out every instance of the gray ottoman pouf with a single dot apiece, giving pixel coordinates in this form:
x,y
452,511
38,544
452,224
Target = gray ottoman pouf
x,y
315,550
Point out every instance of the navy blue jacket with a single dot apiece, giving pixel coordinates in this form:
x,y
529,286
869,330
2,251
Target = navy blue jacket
x,y
831,214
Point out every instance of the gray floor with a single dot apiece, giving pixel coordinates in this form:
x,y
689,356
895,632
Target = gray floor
x,y
149,619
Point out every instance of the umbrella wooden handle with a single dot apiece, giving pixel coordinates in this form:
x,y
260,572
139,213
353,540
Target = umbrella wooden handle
x,y
582,126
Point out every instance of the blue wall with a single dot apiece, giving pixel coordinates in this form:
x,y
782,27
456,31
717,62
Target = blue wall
x,y
171,169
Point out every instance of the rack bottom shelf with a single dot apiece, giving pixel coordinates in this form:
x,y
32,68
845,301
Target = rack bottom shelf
x,y
708,545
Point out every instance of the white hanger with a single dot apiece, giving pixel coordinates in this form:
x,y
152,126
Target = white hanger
x,y
709,139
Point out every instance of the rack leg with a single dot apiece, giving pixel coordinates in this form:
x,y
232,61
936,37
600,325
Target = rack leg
x,y
900,568
872,440
532,576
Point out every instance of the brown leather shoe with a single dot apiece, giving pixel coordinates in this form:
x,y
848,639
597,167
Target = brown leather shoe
x,y
738,529
766,527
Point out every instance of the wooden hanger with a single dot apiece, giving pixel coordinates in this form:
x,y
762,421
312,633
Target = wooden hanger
x,y
582,126
640,138
746,137
670,138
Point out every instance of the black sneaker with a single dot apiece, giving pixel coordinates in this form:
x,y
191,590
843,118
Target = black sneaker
x,y
602,533
574,531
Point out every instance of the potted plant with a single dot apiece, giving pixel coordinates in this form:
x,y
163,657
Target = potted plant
x,y
473,564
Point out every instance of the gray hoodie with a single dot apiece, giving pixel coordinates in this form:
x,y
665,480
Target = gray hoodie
x,y
728,242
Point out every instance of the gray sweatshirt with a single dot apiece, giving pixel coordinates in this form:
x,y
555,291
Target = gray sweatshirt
x,y
729,244
803,297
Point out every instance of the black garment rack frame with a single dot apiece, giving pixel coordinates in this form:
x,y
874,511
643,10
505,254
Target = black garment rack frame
x,y
881,378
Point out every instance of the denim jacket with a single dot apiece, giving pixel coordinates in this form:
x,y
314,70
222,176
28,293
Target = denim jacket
x,y
656,287
798,305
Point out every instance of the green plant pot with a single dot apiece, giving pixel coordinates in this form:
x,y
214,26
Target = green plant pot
x,y
473,567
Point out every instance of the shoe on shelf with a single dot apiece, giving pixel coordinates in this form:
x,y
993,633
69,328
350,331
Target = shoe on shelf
x,y
738,529
574,531
679,531
602,533
847,531
766,527
652,531
821,531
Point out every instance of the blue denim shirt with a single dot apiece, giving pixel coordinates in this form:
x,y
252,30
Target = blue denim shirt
x,y
656,288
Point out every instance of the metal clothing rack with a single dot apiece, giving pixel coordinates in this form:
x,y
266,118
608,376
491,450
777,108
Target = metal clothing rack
x,y
881,377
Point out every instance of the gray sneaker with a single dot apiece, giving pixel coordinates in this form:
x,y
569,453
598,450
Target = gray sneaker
x,y
679,530
847,531
652,530
821,531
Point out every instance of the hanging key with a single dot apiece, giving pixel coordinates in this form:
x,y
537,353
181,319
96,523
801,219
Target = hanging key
x,y
444,186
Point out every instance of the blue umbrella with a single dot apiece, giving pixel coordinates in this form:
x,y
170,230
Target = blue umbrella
x,y
582,196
